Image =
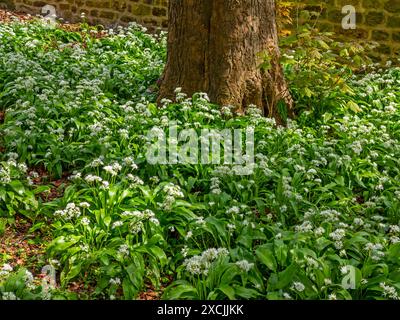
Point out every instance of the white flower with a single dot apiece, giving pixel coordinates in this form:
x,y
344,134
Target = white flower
x,y
70,212
117,224
394,229
338,245
115,281
344,270
287,296
136,181
200,221
244,265
358,221
97,162
155,179
173,191
311,262
342,253
155,221
338,234
357,147
197,265
389,291
298,286
185,251
233,210
116,167
306,226
9,296
394,239
7,267
332,296
85,221
110,170
189,235
105,185
54,262
84,247
84,205
319,231
123,249
91,178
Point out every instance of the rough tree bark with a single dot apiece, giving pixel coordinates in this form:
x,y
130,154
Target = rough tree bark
x,y
214,46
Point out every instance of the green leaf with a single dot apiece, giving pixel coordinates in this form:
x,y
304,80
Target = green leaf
x,y
159,254
281,251
128,289
72,273
282,279
246,293
180,290
265,254
228,291
17,186
353,106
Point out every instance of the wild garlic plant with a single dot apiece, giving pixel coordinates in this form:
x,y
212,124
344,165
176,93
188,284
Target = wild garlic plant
x,y
321,205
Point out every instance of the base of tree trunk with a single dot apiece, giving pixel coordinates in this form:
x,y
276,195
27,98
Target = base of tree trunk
x,y
217,47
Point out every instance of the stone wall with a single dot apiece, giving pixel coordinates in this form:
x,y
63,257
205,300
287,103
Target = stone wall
x,y
152,13
377,20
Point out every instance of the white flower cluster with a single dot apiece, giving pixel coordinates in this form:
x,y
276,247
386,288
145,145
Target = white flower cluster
x,y
115,281
298,286
233,210
134,180
338,234
376,251
199,265
70,212
130,162
330,215
172,192
8,296
123,249
93,178
5,176
215,185
5,270
389,291
113,169
139,217
6,167
97,162
244,265
227,111
306,226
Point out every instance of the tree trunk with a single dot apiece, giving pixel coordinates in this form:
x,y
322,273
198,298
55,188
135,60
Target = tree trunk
x,y
215,46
